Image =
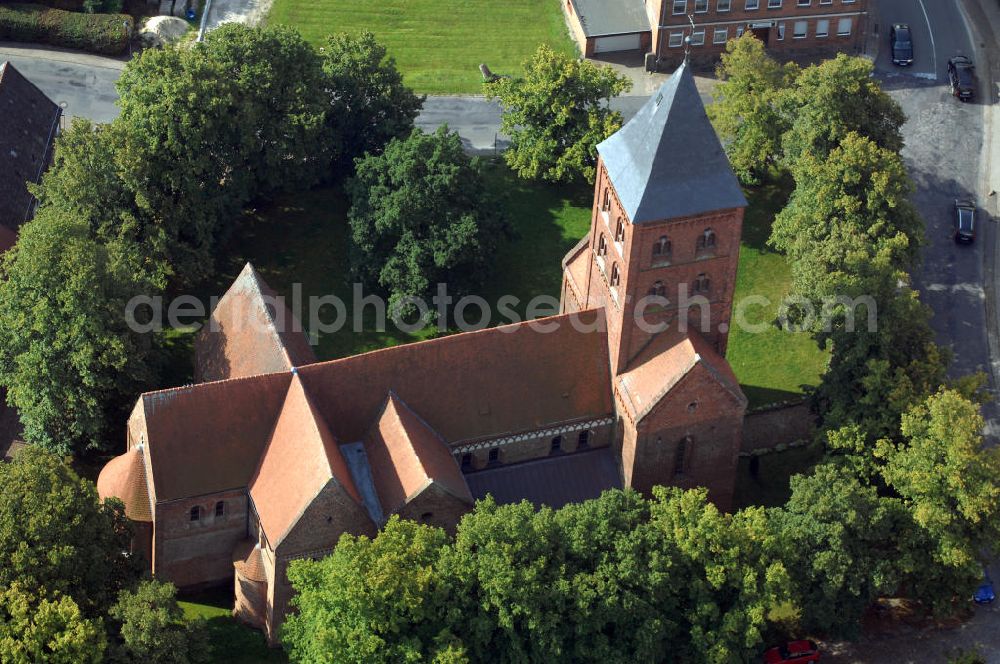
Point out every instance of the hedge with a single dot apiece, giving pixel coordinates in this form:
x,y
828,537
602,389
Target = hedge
x,y
97,33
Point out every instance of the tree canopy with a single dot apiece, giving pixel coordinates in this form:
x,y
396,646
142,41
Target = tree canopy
x,y
557,114
422,214
149,626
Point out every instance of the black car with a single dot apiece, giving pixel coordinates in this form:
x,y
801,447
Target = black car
x,y
901,44
960,75
965,221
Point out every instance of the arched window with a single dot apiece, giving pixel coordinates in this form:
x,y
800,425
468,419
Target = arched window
x,y
662,249
681,454
494,456
606,202
658,289
620,231
196,513
220,509
615,276
702,283
706,241
602,246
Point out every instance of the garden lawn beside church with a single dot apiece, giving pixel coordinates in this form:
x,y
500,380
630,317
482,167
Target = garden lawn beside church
x,y
438,44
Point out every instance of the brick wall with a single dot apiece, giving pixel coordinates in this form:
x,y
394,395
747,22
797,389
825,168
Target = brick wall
x,y
250,606
436,507
784,423
537,447
198,553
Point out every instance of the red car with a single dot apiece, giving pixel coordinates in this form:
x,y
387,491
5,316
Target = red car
x,y
793,652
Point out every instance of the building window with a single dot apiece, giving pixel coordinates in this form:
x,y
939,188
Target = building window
x,y
697,37
195,513
658,289
774,4
467,461
220,509
602,246
700,6
583,439
826,2
701,283
720,35
706,241
723,5
680,455
781,31
752,4
606,203
844,26
676,39
739,31
680,6
693,406
823,27
556,444
804,3
494,454
620,231
615,276
662,249
801,29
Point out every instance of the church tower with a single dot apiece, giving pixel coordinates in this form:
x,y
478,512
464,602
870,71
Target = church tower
x,y
661,260
665,227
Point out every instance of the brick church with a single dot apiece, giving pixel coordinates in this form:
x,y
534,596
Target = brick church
x,y
271,456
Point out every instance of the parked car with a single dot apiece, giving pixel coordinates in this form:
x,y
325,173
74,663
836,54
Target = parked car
x,y
901,44
965,221
961,77
793,652
984,593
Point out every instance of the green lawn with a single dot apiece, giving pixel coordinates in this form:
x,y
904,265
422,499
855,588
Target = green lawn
x,y
232,643
438,44
772,364
768,486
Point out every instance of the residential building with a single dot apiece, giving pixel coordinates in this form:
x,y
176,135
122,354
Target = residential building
x,y
277,456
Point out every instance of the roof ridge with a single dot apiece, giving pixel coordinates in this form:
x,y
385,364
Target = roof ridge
x,y
212,383
261,285
509,328
434,432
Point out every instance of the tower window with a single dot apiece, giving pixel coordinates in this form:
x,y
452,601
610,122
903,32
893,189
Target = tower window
x,y
658,289
706,241
220,509
615,276
606,202
556,444
620,231
702,283
494,454
583,439
680,456
602,246
662,249
195,513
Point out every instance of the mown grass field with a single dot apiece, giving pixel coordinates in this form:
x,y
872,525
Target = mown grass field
x,y
438,44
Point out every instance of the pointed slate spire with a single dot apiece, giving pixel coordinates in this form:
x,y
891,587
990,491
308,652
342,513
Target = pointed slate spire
x,y
667,161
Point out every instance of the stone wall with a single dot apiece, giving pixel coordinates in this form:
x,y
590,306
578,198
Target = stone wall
x,y
783,423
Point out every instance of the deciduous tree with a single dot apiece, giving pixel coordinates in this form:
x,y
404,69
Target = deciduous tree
x,y
37,628
557,114
149,626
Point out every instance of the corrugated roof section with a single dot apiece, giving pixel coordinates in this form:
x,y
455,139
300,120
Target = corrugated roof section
x,y
667,161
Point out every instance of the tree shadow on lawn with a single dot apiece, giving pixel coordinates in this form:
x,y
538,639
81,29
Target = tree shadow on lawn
x,y
232,642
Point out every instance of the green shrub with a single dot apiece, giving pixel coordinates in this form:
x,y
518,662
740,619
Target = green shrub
x,y
97,33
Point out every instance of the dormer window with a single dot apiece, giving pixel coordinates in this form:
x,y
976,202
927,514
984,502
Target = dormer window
x,y
662,250
195,513
658,289
615,276
620,231
706,241
701,283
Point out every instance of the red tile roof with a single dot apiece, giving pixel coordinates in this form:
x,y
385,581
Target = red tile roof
x,y
576,264
475,385
29,122
124,477
405,456
209,437
301,458
248,561
250,332
664,362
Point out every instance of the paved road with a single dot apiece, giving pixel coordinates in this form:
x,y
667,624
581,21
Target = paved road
x,y
944,141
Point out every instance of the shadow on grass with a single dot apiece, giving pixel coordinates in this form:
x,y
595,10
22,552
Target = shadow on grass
x,y
768,484
765,201
765,396
232,642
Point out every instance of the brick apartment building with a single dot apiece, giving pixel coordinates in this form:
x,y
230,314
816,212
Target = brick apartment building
x,y
789,28
273,456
